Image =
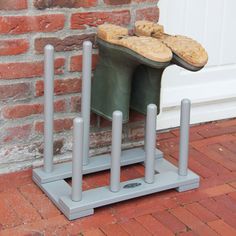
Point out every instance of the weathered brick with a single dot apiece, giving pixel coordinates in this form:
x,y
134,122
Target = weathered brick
x,y
76,63
17,133
17,70
151,14
117,2
75,104
15,91
93,19
57,147
73,42
27,24
24,110
64,86
60,125
42,4
13,47
13,5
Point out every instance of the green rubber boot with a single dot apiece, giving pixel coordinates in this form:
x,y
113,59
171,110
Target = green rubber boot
x,y
112,83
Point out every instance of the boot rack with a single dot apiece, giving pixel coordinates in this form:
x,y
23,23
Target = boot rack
x,y
160,174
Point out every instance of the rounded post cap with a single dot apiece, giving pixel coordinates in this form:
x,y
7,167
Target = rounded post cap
x,y
185,101
117,114
151,107
87,44
78,120
49,47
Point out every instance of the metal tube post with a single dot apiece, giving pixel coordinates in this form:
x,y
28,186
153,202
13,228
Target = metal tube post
x,y
48,107
150,143
77,159
184,136
86,96
116,151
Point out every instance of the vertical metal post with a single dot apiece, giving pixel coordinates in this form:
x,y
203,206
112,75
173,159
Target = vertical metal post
x,y
48,107
77,159
150,143
116,151
86,96
184,136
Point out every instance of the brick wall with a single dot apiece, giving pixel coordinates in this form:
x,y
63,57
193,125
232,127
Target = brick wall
x,y
25,27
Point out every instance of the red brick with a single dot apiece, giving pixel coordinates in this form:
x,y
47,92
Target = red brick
x,y
220,210
8,217
39,227
193,135
137,207
102,217
17,133
76,63
60,125
201,212
170,221
15,91
133,227
117,2
189,233
150,14
39,201
27,24
153,226
218,190
93,19
24,110
19,70
218,129
93,232
13,5
62,86
222,228
231,145
114,229
75,104
212,140
232,195
211,165
168,146
218,157
69,43
13,47
15,180
196,166
192,221
142,1
233,184
42,4
16,202
217,180
224,152
227,201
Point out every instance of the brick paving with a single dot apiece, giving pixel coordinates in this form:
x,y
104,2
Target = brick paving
x,y
209,210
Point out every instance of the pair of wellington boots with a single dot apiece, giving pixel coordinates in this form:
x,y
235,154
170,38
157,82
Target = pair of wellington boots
x,y
129,70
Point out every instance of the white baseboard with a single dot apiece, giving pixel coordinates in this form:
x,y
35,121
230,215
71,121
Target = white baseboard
x,y
212,92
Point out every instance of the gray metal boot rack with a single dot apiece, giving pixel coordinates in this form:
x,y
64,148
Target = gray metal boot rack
x,y
160,174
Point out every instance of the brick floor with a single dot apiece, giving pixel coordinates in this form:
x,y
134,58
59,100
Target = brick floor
x,y
209,210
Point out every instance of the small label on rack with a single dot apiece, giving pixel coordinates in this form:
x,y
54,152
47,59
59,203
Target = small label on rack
x,y
132,185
